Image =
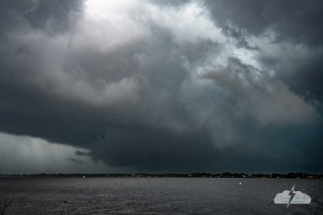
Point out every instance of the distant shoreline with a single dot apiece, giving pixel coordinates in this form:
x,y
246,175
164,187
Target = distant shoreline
x,y
298,175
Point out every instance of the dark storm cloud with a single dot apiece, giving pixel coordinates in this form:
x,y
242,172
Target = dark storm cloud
x,y
154,150
299,73
164,88
81,153
269,101
297,21
74,160
55,16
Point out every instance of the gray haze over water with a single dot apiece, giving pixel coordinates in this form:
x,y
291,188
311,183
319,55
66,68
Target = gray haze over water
x,y
39,196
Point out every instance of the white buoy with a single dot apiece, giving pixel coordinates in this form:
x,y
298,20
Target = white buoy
x,y
240,183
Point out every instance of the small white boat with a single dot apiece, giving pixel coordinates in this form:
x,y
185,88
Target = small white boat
x,y
83,177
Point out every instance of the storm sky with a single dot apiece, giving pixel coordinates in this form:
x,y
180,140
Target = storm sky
x,y
161,86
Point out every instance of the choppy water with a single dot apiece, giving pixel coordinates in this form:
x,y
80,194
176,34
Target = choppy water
x,y
156,195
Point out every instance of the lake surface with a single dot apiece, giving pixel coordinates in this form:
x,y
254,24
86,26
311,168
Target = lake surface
x,y
156,195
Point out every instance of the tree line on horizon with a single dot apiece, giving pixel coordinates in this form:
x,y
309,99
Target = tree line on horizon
x,y
196,175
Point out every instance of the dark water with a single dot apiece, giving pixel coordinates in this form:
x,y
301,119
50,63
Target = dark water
x,y
156,195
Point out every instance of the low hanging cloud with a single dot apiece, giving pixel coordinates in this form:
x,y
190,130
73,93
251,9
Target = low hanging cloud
x,y
26,155
162,85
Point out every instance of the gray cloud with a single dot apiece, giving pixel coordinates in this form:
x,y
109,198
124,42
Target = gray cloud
x,y
81,153
294,22
74,160
268,100
297,20
163,86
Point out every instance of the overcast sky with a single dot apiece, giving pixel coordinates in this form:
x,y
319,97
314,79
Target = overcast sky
x,y
161,86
